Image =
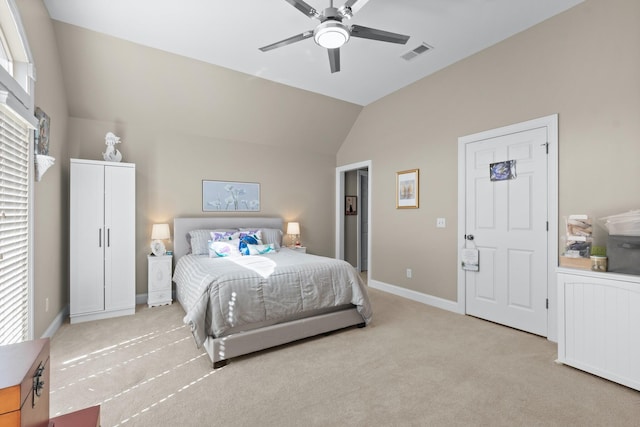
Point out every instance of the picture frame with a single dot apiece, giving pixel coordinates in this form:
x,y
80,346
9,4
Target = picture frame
x,y
408,189
41,138
351,205
230,196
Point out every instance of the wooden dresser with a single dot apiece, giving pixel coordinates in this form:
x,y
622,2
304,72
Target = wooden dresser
x,y
88,417
24,384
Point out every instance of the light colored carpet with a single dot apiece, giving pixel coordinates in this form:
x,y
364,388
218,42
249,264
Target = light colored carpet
x,y
413,366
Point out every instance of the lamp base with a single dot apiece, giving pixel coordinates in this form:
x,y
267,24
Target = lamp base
x,y
157,248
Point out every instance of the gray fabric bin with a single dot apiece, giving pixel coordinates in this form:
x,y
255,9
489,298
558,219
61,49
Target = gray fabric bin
x,y
624,254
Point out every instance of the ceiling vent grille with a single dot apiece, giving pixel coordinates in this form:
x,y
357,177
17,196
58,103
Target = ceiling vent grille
x,y
417,52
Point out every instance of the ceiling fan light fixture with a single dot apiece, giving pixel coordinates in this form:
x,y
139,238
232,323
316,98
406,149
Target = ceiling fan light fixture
x,y
331,34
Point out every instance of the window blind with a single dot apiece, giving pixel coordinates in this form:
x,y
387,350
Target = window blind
x,y
14,229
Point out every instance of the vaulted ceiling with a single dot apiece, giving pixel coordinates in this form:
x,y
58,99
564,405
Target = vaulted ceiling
x,y
230,33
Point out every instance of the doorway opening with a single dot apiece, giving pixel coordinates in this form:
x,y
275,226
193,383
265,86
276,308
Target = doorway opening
x,y
353,229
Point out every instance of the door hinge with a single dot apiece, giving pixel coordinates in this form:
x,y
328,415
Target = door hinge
x,y
546,146
547,225
547,304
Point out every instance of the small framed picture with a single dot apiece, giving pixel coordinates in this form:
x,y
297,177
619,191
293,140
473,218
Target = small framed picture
x,y
407,189
351,205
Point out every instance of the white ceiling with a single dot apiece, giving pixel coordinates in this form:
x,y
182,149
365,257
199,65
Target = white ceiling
x,y
229,33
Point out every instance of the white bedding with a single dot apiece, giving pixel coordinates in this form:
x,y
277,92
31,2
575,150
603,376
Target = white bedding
x,y
224,295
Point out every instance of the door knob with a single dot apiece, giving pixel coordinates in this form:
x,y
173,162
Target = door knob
x,y
468,236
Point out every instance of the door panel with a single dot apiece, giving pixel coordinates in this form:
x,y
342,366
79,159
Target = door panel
x,y
508,220
120,231
86,244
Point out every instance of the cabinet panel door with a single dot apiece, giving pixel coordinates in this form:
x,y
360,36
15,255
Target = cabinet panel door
x,y
120,265
86,238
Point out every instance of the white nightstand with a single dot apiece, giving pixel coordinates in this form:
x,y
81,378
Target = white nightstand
x,y
302,249
159,285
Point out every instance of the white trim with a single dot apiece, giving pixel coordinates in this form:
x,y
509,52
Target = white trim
x,y
416,296
58,321
361,173
551,123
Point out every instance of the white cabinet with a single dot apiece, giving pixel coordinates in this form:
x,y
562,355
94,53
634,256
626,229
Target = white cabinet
x,y
159,285
599,324
102,239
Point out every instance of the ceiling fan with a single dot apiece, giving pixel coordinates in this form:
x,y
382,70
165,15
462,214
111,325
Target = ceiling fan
x,y
331,33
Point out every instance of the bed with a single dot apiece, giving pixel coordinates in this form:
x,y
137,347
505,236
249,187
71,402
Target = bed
x,y
238,305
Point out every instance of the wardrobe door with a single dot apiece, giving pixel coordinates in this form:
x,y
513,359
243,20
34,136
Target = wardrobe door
x,y
86,238
120,266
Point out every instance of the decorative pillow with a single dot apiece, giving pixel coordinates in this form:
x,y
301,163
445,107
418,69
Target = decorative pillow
x,y
269,235
221,235
226,248
261,249
249,238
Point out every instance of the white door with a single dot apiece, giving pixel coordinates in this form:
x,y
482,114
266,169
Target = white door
x,y
120,234
87,243
508,222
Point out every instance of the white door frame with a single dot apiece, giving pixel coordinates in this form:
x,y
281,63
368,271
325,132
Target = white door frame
x,y
340,193
361,173
551,123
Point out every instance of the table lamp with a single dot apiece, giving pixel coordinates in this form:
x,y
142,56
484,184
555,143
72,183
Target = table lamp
x,y
159,232
293,230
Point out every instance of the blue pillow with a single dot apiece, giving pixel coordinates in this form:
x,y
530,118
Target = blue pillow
x,y
248,239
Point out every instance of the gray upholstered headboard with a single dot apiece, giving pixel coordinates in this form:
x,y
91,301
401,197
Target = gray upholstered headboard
x,y
181,226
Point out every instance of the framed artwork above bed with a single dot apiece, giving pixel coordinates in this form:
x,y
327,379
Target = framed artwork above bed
x,y
230,196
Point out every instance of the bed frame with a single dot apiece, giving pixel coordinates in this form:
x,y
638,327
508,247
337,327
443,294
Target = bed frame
x,y
220,350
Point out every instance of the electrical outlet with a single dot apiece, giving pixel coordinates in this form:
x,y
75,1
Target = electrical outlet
x,y
441,223
409,273
46,305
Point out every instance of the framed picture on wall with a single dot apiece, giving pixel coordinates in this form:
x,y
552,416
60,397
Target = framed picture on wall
x,y
229,196
407,189
351,205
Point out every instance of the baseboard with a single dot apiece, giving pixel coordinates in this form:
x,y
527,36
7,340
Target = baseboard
x,y
416,296
141,299
57,322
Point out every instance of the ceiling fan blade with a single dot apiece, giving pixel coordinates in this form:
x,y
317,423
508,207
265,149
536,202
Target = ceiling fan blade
x,y
304,8
334,59
290,40
355,5
373,34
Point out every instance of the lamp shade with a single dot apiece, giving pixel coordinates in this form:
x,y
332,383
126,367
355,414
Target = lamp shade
x,y
160,232
293,228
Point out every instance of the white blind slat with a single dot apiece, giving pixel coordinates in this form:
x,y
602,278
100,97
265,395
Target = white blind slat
x,y
14,229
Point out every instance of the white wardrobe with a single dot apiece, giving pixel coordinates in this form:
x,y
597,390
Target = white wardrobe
x,y
102,240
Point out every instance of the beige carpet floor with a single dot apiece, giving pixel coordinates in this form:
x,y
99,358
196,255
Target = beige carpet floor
x,y
414,365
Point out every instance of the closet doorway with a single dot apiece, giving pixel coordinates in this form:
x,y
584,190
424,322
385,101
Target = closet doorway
x,y
353,231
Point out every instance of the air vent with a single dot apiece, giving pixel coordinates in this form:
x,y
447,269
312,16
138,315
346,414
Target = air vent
x,y
417,51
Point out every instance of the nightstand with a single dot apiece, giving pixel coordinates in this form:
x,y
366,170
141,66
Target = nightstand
x,y
302,249
159,285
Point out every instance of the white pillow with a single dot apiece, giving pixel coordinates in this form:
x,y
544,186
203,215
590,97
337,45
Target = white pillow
x,y
198,240
261,249
224,248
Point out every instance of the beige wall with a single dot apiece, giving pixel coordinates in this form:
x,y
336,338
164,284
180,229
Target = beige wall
x,y
182,121
583,64
50,194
